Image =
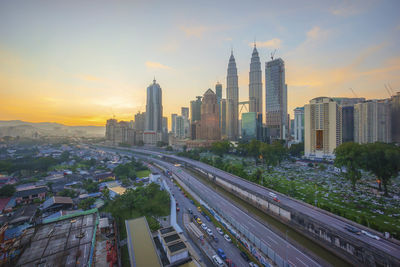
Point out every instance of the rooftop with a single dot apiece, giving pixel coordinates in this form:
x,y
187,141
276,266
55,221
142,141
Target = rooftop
x,y
62,243
142,251
118,189
176,247
31,191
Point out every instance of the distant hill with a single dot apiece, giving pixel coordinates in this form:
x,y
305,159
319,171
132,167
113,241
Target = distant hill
x,y
30,129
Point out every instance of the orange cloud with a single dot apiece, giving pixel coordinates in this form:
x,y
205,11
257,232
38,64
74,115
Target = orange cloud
x,y
273,43
194,31
156,65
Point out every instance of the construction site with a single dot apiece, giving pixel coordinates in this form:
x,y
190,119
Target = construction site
x,y
73,241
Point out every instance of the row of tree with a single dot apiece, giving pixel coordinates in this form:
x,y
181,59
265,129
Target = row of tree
x,y
381,159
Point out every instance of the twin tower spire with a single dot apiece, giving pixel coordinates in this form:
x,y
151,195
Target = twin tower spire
x,y
232,92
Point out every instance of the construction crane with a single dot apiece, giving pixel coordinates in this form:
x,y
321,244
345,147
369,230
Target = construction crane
x,y
387,90
351,89
273,54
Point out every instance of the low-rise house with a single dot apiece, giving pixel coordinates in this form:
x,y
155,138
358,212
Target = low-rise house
x,y
104,176
57,203
29,194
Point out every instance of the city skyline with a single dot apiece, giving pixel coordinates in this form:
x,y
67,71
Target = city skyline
x,y
85,70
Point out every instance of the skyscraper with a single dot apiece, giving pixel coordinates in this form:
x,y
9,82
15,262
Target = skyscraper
x,y
276,99
298,124
255,85
372,122
165,125
251,126
322,128
195,109
154,109
209,124
232,100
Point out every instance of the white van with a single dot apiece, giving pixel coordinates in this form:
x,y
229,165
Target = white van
x,y
217,261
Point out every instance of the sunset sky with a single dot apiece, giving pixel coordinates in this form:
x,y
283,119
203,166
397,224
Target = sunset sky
x,y
81,62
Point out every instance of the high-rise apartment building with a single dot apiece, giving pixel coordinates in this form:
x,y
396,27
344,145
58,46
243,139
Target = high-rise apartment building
x,y
298,127
255,83
195,109
186,126
173,123
347,106
372,122
209,124
322,128
154,109
180,127
222,123
140,119
232,100
276,99
120,132
395,117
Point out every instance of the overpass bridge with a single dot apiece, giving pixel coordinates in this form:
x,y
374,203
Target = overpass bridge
x,y
323,227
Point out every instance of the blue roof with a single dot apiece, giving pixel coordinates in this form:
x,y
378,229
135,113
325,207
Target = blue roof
x,y
15,232
97,194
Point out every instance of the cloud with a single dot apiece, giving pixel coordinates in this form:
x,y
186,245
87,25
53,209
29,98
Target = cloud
x,y
194,31
315,33
350,8
156,65
273,43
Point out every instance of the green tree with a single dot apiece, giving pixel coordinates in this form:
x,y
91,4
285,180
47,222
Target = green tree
x,y
350,155
383,160
106,193
7,191
269,156
220,148
254,149
296,150
86,203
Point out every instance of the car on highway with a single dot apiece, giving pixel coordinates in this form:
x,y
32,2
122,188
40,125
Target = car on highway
x,y
217,260
199,209
178,209
204,226
227,238
271,194
191,201
209,232
370,235
244,256
190,211
221,253
252,264
276,199
207,218
352,229
215,239
199,221
219,230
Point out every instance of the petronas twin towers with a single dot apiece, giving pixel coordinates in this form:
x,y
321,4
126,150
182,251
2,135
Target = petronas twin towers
x,y
232,93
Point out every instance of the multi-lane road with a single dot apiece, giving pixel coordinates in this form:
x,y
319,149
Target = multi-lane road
x,y
323,217
283,248
231,251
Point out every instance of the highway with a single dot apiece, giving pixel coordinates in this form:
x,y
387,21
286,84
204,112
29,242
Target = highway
x,y
283,248
231,251
331,221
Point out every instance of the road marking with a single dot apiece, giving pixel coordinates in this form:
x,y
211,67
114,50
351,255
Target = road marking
x,y
272,240
301,261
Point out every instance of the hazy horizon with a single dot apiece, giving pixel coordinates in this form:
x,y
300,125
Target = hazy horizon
x,y
81,63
